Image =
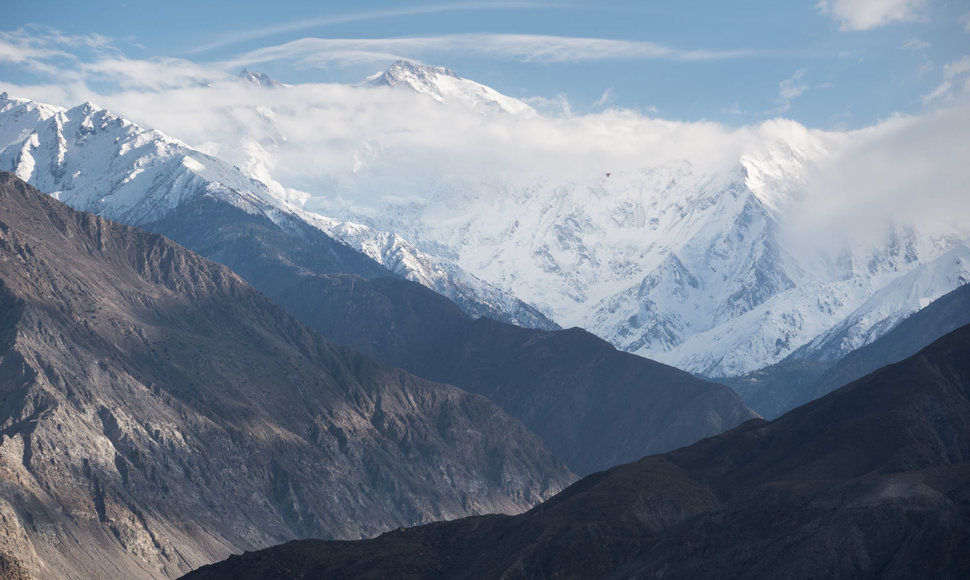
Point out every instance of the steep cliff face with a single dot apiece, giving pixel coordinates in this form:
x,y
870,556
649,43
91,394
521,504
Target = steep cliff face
x,y
157,413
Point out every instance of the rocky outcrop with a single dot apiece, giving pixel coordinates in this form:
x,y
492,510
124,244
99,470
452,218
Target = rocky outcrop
x,y
157,413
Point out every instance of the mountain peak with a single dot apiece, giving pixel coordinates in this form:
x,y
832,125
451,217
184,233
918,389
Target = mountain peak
x,y
260,79
443,85
411,74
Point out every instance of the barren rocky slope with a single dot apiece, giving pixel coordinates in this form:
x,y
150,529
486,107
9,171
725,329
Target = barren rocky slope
x,y
871,481
157,413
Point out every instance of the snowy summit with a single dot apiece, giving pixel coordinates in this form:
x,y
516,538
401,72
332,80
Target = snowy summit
x,y
444,86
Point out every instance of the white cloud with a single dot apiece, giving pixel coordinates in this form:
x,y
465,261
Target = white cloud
x,y
910,170
307,24
868,14
956,82
916,45
604,98
322,52
921,49
965,19
789,90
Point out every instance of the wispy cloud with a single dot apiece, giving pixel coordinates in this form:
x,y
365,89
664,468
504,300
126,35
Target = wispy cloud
x,y
956,81
321,52
921,49
868,14
34,44
789,90
307,24
604,98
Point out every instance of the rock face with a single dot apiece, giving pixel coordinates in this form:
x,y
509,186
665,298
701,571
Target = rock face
x,y
594,406
157,413
871,481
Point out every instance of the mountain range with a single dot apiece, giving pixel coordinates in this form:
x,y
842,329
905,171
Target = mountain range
x,y
96,161
157,413
689,263
869,481
286,253
685,264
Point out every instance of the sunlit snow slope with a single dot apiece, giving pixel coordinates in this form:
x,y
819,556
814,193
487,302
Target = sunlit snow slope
x,y
99,162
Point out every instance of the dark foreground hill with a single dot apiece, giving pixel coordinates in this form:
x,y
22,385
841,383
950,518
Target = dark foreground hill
x,y
594,406
157,413
871,481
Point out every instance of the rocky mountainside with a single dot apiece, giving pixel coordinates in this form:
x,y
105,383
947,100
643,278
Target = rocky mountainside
x,y
871,481
594,406
96,161
157,413
805,375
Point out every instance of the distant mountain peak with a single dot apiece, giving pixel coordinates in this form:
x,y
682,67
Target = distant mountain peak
x,y
412,74
260,79
443,85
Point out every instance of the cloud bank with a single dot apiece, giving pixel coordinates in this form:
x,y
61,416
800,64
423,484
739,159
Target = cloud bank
x,y
867,14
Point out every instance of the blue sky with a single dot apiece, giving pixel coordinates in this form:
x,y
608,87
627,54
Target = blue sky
x,y
829,64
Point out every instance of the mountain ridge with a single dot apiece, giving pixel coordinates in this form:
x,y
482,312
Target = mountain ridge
x,y
100,162
593,405
156,413
825,490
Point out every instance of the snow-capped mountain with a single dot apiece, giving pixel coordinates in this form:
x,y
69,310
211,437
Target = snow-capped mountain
x,y
474,296
691,266
692,262
99,162
443,85
892,303
260,79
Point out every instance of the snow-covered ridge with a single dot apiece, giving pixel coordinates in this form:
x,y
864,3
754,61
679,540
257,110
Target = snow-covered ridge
x,y
97,161
475,296
260,79
443,85
683,265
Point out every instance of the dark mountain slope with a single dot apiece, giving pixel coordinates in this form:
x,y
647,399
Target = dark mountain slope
x,y
871,481
594,406
262,252
274,255
157,413
797,380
